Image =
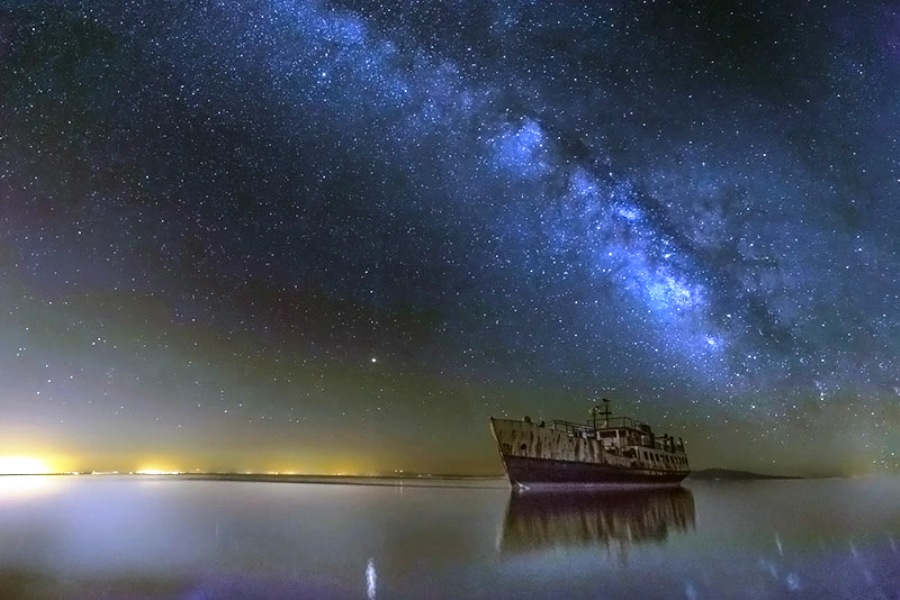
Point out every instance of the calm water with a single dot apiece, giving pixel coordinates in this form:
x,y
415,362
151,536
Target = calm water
x,y
109,537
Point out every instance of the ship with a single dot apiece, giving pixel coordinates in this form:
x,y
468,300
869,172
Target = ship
x,y
606,451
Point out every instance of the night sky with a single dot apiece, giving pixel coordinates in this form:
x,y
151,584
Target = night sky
x,y
309,236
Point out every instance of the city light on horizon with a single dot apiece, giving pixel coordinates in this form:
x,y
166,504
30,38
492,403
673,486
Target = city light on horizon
x,y
24,465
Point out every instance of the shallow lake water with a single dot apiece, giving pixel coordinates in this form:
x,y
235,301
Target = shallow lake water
x,y
146,537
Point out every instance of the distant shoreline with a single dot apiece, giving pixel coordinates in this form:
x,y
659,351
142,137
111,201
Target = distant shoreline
x,y
733,475
412,480
422,479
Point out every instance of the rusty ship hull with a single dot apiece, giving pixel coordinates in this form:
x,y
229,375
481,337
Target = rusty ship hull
x,y
567,454
531,471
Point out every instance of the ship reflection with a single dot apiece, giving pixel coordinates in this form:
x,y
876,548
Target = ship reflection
x,y
541,520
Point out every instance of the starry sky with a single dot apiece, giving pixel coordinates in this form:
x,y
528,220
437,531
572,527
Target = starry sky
x,y
337,236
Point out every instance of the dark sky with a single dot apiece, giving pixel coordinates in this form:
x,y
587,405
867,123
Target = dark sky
x,y
337,236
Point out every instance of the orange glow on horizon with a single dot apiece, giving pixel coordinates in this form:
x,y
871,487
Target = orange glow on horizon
x,y
158,468
157,472
24,465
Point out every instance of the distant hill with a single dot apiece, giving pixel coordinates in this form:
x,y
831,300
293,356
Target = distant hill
x,y
730,475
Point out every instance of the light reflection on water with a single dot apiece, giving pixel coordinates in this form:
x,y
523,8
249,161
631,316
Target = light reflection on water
x,y
371,580
120,537
16,488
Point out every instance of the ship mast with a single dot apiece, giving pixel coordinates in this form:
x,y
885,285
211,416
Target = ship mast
x,y
604,412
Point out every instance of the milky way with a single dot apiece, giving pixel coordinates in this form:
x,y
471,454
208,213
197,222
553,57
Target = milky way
x,y
337,236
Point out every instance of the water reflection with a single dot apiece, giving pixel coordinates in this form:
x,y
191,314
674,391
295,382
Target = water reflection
x,y
18,488
544,519
371,580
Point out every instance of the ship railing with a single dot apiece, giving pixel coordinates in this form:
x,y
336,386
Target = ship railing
x,y
625,422
640,429
611,423
570,428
